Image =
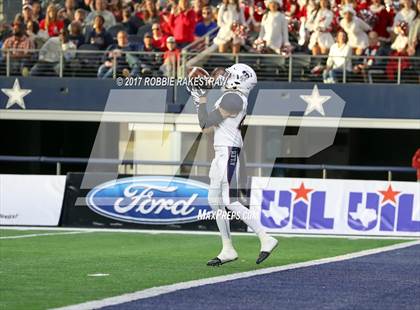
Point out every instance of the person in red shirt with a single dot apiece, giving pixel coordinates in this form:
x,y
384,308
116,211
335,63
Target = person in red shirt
x,y
159,38
182,23
253,13
362,5
164,22
198,7
164,14
51,23
170,58
383,20
416,163
291,8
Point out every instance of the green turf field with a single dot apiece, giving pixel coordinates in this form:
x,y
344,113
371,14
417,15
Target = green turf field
x,y
51,271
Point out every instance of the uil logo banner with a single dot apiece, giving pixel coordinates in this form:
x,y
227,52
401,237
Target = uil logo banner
x,y
297,208
346,207
384,210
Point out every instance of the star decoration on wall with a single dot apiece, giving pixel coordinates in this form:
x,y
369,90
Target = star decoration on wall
x,y
315,101
16,95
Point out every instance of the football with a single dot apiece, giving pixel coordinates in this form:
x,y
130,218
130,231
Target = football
x,y
218,75
199,78
196,72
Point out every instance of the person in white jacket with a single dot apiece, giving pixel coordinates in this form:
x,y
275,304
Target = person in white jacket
x,y
274,30
306,20
321,39
356,30
338,59
50,54
402,24
229,13
406,14
311,9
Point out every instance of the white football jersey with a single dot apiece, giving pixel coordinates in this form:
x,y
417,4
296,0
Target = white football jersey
x,y
228,132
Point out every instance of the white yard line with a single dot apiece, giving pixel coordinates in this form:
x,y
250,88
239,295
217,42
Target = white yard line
x,y
155,291
193,232
46,234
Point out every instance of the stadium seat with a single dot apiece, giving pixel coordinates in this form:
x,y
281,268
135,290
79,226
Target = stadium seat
x,y
371,73
272,67
89,61
301,65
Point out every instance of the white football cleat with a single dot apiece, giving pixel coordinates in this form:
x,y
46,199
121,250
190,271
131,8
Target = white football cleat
x,y
268,244
224,257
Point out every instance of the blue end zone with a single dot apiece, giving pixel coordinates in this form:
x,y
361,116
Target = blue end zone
x,y
389,280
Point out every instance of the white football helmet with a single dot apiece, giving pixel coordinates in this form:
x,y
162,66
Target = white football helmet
x,y
240,77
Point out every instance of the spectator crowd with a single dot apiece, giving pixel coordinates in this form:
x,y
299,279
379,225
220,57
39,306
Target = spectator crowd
x,y
350,34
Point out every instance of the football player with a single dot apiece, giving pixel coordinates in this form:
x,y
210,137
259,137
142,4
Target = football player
x,y
226,118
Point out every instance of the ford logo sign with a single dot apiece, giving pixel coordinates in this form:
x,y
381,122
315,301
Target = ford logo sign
x,y
150,199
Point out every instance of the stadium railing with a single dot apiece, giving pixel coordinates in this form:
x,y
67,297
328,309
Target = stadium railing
x,y
273,67
323,168
298,67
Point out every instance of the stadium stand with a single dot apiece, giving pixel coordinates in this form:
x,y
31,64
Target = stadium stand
x,y
285,40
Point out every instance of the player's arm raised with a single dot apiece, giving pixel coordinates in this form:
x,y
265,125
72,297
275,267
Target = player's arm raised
x,y
230,105
208,120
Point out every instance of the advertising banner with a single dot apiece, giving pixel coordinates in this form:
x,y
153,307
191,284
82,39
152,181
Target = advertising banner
x,y
31,199
146,202
341,207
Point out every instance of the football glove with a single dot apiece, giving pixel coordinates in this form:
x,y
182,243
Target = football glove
x,y
196,94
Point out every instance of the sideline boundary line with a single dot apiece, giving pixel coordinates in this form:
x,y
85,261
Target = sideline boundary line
x,y
195,232
46,234
156,291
